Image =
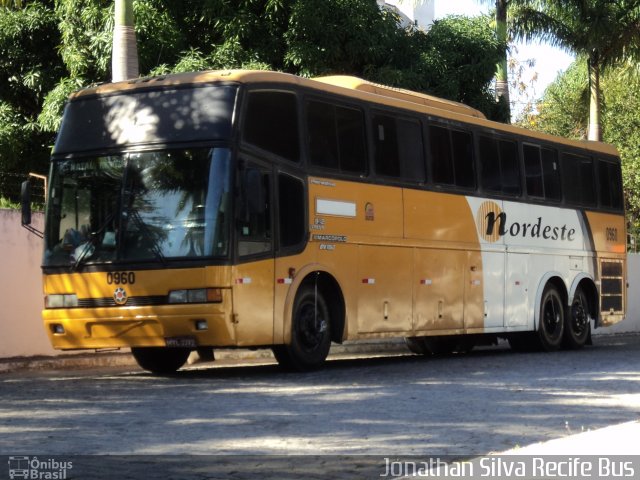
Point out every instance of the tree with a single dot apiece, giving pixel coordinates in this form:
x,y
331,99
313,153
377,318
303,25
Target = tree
x,y
563,111
125,50
29,69
606,33
49,48
502,80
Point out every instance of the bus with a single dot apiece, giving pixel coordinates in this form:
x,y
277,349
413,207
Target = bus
x,y
253,209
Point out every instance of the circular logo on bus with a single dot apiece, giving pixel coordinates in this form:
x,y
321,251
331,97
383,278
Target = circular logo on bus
x,y
489,220
120,296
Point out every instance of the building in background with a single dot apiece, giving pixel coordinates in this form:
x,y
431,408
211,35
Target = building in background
x,y
420,14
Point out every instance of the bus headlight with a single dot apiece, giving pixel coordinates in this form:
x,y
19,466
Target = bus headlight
x,y
61,301
199,295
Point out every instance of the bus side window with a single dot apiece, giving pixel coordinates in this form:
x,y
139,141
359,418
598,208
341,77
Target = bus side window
x,y
551,174
452,157
609,176
291,209
398,148
533,171
336,137
440,148
579,181
253,222
500,170
271,123
463,159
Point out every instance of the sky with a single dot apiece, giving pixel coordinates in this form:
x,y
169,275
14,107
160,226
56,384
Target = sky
x,y
549,61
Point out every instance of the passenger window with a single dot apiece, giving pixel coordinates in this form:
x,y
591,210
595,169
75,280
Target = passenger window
x,y
336,137
578,179
271,123
292,218
551,173
254,211
441,155
541,172
610,179
533,171
490,161
398,148
463,159
500,170
452,157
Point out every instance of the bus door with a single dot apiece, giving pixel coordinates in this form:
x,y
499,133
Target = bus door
x,y
254,272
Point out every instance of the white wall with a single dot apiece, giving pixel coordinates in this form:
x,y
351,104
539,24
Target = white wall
x,y
21,288
21,291
632,322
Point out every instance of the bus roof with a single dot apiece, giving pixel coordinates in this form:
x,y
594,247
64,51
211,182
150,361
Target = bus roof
x,y
349,86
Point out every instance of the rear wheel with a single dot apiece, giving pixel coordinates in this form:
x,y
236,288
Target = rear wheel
x,y
310,333
160,360
578,322
417,345
551,327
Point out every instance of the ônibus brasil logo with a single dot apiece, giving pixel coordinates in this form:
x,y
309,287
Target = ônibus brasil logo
x,y
492,224
33,468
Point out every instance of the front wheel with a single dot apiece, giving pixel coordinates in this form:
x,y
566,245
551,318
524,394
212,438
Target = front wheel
x,y
161,360
551,327
310,333
578,322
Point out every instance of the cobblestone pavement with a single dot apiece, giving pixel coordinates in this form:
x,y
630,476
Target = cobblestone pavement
x,y
490,400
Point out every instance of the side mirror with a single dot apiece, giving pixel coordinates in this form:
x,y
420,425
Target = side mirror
x,y
25,201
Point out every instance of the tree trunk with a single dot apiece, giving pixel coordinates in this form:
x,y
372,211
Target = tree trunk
x,y
595,131
502,74
124,60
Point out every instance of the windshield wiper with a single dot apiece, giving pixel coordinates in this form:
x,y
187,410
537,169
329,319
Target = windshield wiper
x,y
148,234
89,247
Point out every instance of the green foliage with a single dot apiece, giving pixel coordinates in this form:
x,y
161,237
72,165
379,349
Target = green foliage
x,y
563,111
49,48
605,32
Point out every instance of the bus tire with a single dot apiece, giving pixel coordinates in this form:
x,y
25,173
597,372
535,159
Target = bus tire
x,y
552,313
160,360
310,333
417,345
441,345
577,322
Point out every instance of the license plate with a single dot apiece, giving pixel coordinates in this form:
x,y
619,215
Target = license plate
x,y
181,342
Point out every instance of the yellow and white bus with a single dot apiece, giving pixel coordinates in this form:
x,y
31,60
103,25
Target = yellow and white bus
x,y
260,209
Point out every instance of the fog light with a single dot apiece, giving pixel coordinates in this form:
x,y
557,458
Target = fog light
x,y
201,325
57,329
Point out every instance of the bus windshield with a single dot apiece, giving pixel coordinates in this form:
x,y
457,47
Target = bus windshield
x,y
146,206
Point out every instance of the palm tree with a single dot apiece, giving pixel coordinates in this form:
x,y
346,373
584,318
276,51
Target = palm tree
x,y
502,80
606,33
124,61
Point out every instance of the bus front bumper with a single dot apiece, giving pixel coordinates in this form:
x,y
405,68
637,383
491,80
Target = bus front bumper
x,y
121,327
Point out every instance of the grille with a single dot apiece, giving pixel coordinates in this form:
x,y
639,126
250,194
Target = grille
x,y
612,286
131,302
